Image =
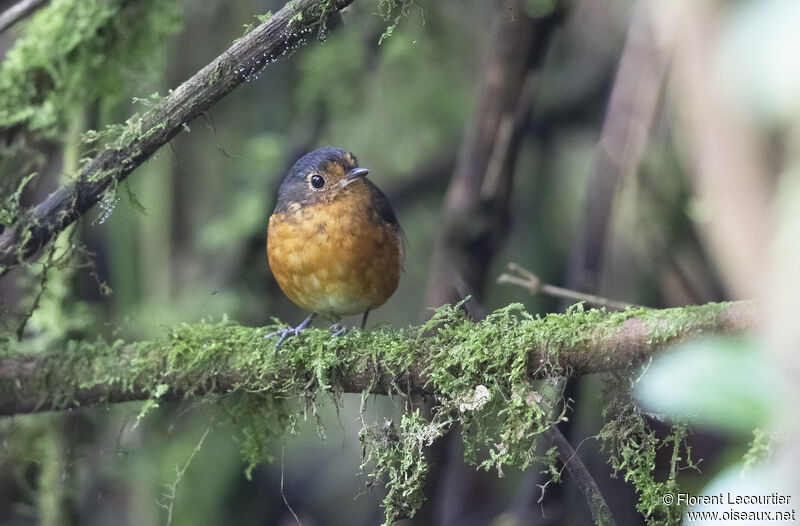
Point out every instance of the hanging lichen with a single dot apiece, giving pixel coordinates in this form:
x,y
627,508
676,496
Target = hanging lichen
x,y
632,445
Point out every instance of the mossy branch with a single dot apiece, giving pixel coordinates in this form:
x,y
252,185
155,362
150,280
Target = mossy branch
x,y
142,136
449,355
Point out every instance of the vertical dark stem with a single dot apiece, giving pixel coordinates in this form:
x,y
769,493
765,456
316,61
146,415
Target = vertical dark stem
x,y
632,107
475,216
475,220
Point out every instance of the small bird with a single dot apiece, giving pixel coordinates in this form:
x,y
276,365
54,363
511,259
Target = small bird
x,y
334,243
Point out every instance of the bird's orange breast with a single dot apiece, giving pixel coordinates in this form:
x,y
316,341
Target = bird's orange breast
x,y
336,258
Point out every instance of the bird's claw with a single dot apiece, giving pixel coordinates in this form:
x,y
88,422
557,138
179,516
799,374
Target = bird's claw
x,y
337,329
290,331
284,333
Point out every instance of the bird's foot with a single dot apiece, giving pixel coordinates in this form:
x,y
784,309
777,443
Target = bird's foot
x,y
337,329
283,334
290,331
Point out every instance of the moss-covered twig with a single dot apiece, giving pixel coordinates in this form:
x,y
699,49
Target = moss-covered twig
x,y
142,136
222,357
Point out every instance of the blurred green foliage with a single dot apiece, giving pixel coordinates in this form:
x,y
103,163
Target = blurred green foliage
x,y
719,383
78,51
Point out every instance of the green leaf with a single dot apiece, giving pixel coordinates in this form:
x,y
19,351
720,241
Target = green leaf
x,y
723,383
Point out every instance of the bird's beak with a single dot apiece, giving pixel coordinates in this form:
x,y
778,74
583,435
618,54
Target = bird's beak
x,y
354,175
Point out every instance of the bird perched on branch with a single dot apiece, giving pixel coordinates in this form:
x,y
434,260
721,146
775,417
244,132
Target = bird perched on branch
x,y
334,243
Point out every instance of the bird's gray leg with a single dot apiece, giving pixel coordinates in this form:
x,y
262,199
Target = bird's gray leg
x,y
292,331
364,319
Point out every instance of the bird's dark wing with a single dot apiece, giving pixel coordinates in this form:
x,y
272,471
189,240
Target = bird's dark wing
x,y
381,205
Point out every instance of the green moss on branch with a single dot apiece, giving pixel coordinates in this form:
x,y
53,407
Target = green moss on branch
x,y
481,375
448,356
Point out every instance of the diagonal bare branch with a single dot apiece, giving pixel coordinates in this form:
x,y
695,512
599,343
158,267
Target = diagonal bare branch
x,y
283,32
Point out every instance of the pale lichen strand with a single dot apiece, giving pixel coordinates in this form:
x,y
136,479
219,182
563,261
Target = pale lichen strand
x,y
392,11
761,449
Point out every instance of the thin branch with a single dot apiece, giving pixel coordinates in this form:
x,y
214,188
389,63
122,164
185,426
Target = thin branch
x,y
283,493
282,33
531,281
569,457
17,12
179,474
90,374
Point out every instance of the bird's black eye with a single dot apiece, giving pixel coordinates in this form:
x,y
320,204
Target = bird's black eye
x,y
317,181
